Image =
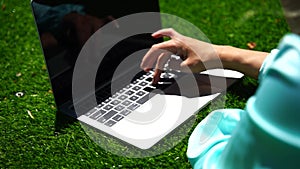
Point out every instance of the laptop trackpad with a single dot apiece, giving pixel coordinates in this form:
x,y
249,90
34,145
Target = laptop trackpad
x,y
157,116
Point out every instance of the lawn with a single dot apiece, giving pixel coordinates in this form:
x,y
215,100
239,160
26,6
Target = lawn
x,y
28,138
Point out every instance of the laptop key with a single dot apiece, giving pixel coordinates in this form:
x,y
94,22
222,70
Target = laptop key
x,y
133,106
133,98
114,96
134,82
91,112
149,89
110,114
118,118
122,97
100,105
108,107
128,86
149,79
167,80
140,93
110,123
143,84
125,112
144,99
107,100
102,120
136,88
115,102
142,77
129,92
126,103
149,73
97,114
119,108
161,86
121,91
107,116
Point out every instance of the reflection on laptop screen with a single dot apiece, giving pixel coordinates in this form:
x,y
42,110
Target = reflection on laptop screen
x,y
64,27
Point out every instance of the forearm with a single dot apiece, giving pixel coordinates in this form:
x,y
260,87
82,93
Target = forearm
x,y
245,61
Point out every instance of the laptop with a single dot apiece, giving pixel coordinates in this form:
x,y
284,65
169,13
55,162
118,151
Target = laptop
x,y
112,94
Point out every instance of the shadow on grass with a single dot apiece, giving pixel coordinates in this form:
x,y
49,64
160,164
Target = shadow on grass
x,y
244,88
63,121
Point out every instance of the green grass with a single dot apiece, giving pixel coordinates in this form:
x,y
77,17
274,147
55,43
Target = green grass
x,y
27,142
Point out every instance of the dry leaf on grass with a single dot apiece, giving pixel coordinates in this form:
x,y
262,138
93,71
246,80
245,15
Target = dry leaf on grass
x,y
29,113
251,45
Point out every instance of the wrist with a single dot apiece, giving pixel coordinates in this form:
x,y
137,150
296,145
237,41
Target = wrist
x,y
242,60
227,56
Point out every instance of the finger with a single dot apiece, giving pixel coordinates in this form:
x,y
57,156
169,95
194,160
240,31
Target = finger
x,y
156,76
169,32
186,66
156,50
149,59
161,61
174,64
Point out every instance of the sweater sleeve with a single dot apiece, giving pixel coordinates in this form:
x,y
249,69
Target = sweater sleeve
x,y
267,63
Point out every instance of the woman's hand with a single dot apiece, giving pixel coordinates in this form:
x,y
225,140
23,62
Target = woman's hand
x,y
195,55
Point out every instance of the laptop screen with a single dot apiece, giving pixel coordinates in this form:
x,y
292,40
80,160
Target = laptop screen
x,y
64,26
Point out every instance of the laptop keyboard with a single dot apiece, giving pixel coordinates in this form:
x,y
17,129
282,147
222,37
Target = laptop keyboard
x,y
122,103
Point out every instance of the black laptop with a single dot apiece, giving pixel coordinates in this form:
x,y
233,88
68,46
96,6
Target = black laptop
x,y
119,99
64,27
